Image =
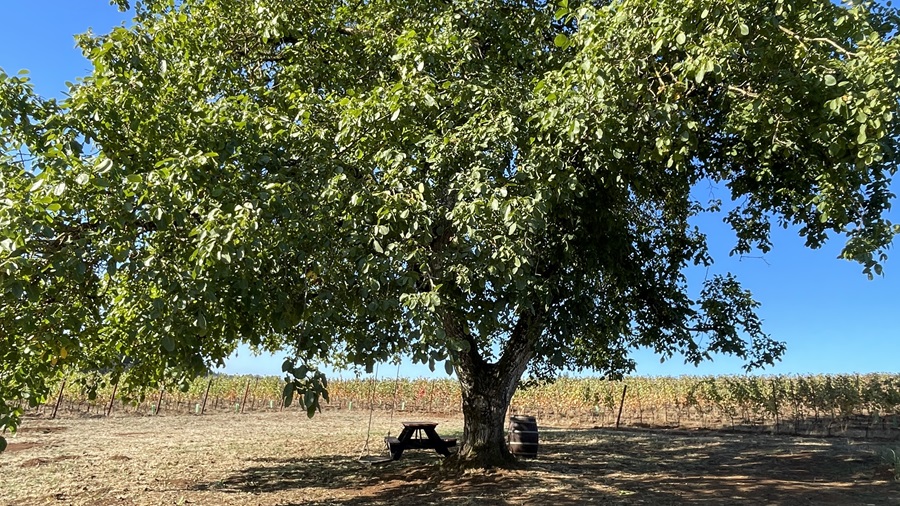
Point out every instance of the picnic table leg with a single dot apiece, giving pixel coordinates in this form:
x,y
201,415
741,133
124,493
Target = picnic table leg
x,y
404,436
439,445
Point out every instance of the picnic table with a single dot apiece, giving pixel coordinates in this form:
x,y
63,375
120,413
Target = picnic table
x,y
419,435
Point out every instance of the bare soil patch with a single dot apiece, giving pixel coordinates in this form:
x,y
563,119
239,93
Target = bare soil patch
x,y
286,459
42,460
18,447
43,430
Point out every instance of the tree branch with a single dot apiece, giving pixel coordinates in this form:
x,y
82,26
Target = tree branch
x,y
519,348
742,91
817,39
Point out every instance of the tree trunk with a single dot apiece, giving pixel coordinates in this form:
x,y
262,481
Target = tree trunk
x,y
485,401
487,390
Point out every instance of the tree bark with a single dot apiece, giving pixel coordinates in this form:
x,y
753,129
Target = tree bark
x,y
487,390
485,401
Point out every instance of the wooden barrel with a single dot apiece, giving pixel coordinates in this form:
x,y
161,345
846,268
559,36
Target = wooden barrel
x,y
523,436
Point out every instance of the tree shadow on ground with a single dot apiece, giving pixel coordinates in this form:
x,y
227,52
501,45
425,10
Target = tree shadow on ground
x,y
602,466
265,475
662,467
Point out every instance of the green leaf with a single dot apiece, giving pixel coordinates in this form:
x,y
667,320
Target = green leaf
x,y
699,77
287,395
134,178
168,343
681,38
3,444
448,366
830,80
745,30
861,138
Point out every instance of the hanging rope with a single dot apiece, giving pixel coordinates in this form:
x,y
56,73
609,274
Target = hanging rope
x,y
394,403
365,450
365,456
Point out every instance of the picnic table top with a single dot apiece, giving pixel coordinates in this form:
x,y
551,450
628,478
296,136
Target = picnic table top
x,y
420,425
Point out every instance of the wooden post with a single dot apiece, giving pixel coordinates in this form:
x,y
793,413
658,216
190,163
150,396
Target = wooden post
x,y
775,405
621,405
244,401
112,398
58,399
255,389
159,401
206,396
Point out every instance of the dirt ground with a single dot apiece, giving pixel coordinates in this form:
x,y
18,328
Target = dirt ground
x,y
286,459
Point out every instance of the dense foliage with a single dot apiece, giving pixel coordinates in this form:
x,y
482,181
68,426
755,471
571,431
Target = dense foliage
x,y
498,185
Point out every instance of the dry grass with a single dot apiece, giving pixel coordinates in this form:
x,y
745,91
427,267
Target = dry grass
x,y
286,459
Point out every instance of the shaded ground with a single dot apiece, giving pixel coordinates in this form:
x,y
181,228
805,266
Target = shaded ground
x,y
285,459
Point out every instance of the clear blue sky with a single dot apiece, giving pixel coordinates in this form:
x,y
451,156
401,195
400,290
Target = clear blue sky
x,y
832,317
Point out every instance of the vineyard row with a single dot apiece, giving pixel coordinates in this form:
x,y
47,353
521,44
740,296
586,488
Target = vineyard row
x,y
813,404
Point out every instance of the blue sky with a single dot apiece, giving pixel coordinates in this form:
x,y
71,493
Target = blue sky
x,y
832,317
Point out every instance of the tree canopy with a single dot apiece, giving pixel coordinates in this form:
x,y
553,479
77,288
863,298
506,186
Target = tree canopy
x,y
499,185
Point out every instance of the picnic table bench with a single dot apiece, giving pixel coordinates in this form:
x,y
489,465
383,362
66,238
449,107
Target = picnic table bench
x,y
419,435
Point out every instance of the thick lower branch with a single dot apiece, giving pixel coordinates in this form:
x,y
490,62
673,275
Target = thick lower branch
x,y
518,350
